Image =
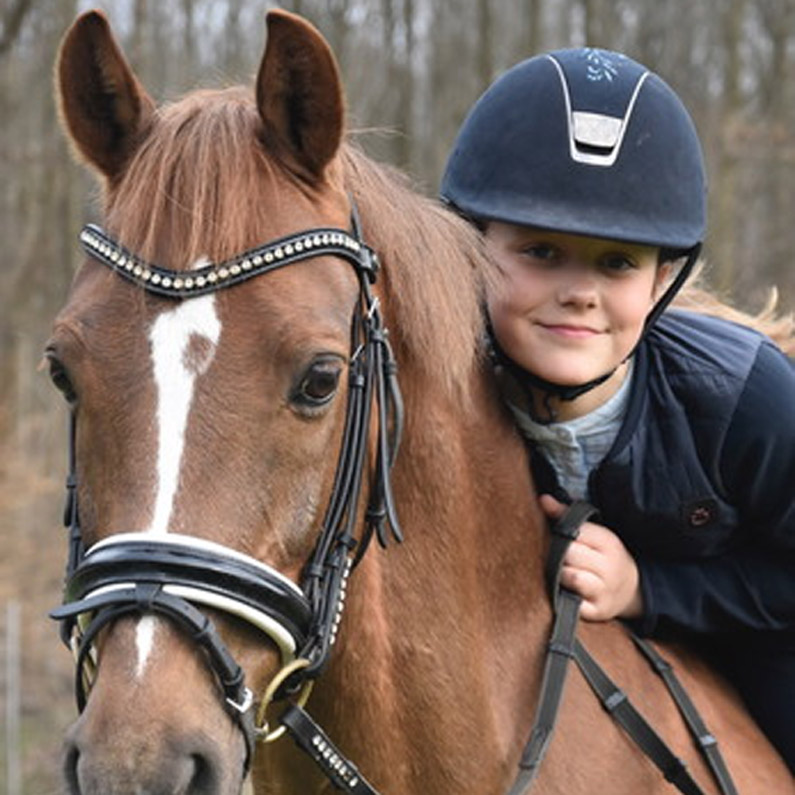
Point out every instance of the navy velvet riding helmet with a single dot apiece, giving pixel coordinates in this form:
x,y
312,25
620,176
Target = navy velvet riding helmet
x,y
583,141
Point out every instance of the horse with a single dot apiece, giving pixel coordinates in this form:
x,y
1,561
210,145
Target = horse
x,y
211,426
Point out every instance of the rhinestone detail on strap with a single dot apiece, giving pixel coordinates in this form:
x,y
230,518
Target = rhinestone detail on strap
x,y
186,284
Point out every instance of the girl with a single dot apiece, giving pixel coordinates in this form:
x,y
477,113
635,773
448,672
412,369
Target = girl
x,y
585,173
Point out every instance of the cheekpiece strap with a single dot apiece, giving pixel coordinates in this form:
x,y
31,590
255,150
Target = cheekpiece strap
x,y
188,284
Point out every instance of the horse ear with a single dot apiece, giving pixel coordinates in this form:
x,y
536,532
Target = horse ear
x,y
299,94
103,106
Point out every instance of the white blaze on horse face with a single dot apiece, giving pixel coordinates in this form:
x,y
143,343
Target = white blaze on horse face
x,y
183,344
144,640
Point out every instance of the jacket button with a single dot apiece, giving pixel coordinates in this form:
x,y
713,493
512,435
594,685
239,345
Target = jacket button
x,y
700,513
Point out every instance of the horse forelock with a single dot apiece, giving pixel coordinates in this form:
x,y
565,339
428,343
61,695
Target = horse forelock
x,y
196,185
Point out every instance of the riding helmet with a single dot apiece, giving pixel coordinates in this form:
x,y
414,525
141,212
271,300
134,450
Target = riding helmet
x,y
583,141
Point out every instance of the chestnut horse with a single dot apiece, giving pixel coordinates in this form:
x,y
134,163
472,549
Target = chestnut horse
x,y
219,418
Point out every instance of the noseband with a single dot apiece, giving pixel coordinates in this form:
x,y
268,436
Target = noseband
x,y
177,575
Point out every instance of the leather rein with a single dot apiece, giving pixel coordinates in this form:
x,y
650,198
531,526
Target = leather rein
x,y
563,647
176,575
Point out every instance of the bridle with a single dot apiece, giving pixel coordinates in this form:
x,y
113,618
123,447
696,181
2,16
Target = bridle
x,y
177,575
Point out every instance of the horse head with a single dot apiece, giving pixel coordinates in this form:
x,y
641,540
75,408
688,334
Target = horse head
x,y
207,419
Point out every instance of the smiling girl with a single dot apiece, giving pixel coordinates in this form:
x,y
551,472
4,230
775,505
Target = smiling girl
x,y
585,173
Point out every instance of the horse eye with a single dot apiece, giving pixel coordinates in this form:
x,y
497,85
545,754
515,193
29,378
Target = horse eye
x,y
60,378
318,385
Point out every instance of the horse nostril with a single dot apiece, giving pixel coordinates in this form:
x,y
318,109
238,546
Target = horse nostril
x,y
71,760
203,779
188,774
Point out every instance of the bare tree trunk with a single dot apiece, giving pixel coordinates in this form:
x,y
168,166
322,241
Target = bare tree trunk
x,y
139,45
566,21
601,23
12,21
406,141
778,20
592,21
233,38
392,105
485,55
727,178
388,26
188,42
338,30
534,35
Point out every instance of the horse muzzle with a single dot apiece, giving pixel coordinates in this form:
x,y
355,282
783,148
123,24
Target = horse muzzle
x,y
174,577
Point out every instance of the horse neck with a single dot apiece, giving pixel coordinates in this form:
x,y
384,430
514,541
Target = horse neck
x,y
453,616
463,487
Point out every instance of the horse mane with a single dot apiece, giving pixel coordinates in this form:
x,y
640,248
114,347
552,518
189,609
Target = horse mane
x,y
780,327
435,268
198,172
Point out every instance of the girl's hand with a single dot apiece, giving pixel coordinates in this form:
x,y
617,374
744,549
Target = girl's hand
x,y
598,568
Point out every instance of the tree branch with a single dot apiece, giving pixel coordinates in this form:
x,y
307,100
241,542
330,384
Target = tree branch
x,y
12,20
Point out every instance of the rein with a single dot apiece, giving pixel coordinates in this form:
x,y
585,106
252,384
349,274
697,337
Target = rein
x,y
564,647
175,575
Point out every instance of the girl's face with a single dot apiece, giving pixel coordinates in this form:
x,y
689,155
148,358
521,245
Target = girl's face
x,y
571,308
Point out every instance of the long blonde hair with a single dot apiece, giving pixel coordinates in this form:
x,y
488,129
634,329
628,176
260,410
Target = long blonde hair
x,y
780,327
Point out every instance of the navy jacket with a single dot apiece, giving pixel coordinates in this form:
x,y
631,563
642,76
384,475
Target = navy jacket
x,y
700,482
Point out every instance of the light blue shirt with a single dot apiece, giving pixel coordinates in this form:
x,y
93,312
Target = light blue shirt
x,y
575,447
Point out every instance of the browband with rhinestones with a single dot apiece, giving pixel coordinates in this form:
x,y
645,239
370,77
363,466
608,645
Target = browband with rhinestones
x,y
186,284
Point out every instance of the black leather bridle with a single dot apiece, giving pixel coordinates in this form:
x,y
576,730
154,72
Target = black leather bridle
x,y
177,575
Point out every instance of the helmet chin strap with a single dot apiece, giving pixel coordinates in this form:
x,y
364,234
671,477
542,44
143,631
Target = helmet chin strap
x,y
568,392
530,380
670,293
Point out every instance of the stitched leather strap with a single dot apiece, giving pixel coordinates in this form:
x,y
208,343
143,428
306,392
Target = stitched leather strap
x,y
559,652
616,702
342,773
150,597
564,646
560,649
705,740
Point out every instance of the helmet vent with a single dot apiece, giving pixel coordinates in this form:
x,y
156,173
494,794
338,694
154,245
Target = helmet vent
x,y
596,138
593,130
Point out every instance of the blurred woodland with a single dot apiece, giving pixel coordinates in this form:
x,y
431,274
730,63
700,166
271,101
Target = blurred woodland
x,y
412,68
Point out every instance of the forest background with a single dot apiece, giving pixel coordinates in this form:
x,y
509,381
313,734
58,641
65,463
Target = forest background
x,y
411,68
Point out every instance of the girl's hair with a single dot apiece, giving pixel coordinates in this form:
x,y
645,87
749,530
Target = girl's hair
x,y
768,320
